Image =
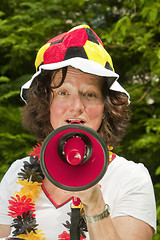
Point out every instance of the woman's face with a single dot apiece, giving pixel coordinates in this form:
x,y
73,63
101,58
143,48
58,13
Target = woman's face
x,y
77,100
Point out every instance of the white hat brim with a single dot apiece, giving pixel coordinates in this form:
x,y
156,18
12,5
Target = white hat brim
x,y
85,65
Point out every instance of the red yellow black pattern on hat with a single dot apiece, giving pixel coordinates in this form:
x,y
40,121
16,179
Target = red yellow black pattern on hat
x,y
81,42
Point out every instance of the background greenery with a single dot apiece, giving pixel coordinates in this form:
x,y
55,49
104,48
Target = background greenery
x,y
130,31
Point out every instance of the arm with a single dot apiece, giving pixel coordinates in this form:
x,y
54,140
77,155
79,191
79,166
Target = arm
x,y
7,187
119,228
4,230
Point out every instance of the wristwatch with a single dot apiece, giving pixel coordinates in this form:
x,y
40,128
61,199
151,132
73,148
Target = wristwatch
x,y
94,219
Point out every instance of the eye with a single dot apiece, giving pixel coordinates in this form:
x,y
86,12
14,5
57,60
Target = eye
x,y
90,95
62,93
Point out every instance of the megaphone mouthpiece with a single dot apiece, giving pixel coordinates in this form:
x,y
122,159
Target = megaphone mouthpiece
x,y
74,150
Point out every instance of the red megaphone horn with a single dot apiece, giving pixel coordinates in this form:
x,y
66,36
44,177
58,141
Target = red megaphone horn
x,y
74,157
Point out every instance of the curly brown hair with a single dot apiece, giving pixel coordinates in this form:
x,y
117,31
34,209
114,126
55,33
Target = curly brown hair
x,y
36,113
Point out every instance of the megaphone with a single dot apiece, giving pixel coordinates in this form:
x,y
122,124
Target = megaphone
x,y
74,157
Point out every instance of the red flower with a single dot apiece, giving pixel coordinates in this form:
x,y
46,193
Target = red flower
x,y
66,236
81,238
36,150
18,205
113,156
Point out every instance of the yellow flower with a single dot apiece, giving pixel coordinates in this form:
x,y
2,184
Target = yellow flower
x,y
110,156
110,153
110,148
33,236
30,190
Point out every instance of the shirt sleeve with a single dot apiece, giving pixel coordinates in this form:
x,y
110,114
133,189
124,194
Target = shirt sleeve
x,y
136,196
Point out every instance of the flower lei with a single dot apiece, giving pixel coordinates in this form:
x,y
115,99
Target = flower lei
x,y
22,206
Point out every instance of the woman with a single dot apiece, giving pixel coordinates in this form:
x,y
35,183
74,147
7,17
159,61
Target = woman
x,y
75,82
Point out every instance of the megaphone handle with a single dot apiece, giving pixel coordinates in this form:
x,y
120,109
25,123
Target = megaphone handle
x,y
75,229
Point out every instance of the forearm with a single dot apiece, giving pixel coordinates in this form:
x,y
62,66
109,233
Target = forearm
x,y
4,230
94,204
103,228
119,228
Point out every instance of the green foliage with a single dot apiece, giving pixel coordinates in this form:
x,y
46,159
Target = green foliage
x,y
15,141
157,191
130,32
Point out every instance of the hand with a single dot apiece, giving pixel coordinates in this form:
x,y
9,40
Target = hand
x,y
92,200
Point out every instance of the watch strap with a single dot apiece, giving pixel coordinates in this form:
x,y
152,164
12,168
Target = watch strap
x,y
93,219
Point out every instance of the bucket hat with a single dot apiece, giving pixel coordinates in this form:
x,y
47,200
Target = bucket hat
x,y
79,48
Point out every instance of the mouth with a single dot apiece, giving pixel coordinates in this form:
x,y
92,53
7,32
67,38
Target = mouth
x,y
75,121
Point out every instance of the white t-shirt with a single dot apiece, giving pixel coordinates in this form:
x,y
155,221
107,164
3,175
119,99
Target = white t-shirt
x,y
126,187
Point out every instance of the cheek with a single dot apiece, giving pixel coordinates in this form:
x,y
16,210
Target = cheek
x,y
96,113
56,112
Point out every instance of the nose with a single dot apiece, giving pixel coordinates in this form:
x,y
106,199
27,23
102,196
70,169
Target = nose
x,y
77,104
